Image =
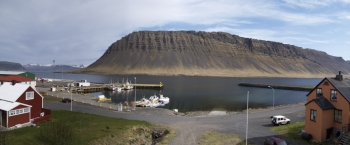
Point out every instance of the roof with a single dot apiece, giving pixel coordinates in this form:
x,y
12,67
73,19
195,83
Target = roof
x,y
278,116
11,72
323,103
16,78
7,106
12,92
343,86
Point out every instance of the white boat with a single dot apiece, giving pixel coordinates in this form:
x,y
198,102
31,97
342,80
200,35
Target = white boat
x,y
157,104
143,102
153,101
127,86
112,87
154,98
164,99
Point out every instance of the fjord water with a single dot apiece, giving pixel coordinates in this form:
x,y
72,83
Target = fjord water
x,y
201,93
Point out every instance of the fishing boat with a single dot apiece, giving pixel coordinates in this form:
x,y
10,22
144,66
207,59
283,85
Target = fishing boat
x,y
127,85
153,101
143,102
163,99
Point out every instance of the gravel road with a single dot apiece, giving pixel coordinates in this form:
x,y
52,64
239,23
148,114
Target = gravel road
x,y
190,129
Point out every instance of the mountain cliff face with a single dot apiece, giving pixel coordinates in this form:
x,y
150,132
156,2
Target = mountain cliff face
x,y
212,54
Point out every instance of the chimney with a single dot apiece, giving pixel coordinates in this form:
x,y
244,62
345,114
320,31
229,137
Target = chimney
x,y
339,77
13,82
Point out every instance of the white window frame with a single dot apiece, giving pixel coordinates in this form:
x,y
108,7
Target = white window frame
x,y
25,110
334,93
313,114
12,112
30,95
19,111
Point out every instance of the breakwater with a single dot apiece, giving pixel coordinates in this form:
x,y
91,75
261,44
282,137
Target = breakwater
x,y
282,87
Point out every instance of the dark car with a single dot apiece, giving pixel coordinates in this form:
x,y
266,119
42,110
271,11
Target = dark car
x,y
67,100
273,140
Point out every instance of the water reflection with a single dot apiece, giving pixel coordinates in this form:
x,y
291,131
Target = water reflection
x,y
204,93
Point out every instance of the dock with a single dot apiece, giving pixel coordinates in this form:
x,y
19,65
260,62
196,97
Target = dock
x,y
86,90
149,86
295,88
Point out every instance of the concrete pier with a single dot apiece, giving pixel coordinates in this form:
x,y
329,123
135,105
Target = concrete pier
x,y
296,88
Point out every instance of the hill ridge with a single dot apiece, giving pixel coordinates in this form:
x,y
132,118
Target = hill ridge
x,y
198,53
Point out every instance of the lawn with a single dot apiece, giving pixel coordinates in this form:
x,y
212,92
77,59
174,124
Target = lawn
x,y
92,129
292,131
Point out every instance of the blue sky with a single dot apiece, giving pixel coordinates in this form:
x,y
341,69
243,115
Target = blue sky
x,y
79,31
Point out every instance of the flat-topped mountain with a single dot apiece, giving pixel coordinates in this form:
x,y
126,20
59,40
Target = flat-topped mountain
x,y
212,54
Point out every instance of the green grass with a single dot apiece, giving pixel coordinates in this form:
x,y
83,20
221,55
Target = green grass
x,y
90,129
52,99
292,131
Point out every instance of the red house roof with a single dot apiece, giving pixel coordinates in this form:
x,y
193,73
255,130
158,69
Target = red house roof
x,y
16,78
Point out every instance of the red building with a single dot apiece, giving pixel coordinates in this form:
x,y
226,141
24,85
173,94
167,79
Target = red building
x,y
21,104
17,79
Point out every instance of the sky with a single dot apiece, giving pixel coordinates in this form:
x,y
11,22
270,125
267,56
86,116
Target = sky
x,y
77,32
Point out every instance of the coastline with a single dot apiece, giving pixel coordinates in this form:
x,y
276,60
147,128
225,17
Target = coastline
x,y
45,87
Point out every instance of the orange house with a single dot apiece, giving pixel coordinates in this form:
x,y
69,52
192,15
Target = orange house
x,y
327,111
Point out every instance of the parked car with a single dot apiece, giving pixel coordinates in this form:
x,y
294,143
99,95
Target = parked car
x,y
67,100
279,120
273,140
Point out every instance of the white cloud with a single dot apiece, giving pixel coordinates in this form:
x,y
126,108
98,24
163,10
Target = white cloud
x,y
313,4
310,4
81,30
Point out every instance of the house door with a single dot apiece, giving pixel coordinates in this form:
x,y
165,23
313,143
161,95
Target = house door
x,y
329,132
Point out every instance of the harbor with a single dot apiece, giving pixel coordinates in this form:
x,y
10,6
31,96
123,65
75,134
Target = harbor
x,y
84,87
282,87
198,93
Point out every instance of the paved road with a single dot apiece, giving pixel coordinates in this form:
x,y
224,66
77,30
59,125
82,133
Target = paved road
x,y
190,129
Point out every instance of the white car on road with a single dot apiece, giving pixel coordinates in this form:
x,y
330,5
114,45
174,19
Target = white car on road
x,y
279,120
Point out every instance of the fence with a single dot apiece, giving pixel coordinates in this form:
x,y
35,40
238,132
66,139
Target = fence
x,y
46,116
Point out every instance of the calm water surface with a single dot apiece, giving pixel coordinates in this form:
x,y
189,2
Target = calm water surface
x,y
201,93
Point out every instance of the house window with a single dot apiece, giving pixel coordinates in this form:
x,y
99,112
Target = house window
x,y
325,83
313,115
337,115
12,112
333,95
318,92
25,110
29,95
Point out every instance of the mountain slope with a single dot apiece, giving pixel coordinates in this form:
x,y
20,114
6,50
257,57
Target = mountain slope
x,y
11,66
211,54
51,68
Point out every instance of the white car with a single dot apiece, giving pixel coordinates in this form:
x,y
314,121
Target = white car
x,y
279,120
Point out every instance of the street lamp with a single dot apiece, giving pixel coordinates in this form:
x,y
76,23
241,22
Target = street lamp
x,y
273,97
71,99
246,131
135,96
